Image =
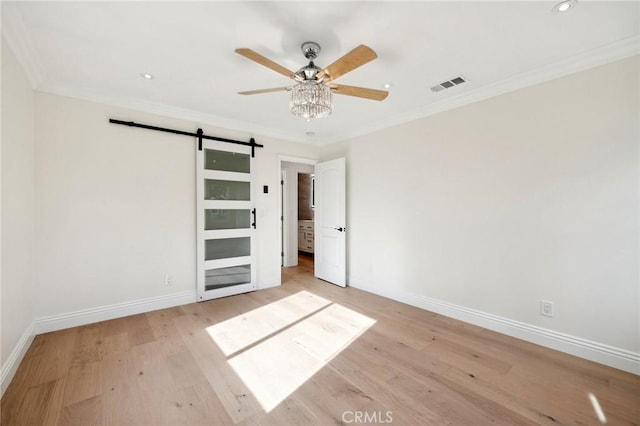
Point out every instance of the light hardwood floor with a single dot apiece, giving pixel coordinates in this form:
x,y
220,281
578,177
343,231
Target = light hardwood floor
x,y
305,353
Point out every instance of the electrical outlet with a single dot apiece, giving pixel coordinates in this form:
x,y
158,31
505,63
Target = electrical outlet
x,y
546,308
168,279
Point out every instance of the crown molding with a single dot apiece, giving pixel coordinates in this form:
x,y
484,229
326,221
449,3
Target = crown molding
x,y
600,56
590,59
17,37
169,111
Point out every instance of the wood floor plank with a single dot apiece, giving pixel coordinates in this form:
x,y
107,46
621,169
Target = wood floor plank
x,y
398,331
331,394
48,358
372,374
139,330
35,406
454,402
55,403
184,369
162,404
87,412
110,344
492,389
289,412
84,381
466,357
123,404
161,323
270,358
235,396
204,406
87,347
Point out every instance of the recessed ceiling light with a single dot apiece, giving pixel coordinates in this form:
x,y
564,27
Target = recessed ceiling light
x,y
564,6
147,76
387,85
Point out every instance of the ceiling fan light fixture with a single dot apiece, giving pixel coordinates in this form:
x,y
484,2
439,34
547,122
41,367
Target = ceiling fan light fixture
x,y
312,94
310,99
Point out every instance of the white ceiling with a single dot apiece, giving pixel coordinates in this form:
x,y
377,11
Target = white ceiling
x,y
97,51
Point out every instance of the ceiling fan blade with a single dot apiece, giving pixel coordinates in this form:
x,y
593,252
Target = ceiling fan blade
x,y
360,92
274,89
352,60
256,57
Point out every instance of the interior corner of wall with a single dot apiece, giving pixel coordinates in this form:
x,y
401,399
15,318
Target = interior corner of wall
x,y
10,366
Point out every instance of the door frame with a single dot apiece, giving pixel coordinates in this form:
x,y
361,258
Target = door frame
x,y
283,206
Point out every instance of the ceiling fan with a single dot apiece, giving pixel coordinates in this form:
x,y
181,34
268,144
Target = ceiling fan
x,y
311,93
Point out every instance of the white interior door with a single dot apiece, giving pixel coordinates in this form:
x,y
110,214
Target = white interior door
x,y
330,222
226,220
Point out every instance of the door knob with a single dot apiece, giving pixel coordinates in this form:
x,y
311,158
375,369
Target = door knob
x,y
340,229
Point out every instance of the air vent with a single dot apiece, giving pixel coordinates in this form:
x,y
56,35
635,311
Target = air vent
x,y
449,83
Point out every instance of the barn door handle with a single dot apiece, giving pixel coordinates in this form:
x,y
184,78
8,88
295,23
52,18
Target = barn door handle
x,y
253,212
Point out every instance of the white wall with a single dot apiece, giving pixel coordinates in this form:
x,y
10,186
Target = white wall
x,y
17,214
116,206
491,207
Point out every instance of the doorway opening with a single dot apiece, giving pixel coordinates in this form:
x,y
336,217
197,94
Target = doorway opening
x,y
297,212
306,222
328,197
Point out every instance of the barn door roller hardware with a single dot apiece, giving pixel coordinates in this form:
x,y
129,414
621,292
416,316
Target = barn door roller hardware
x,y
199,134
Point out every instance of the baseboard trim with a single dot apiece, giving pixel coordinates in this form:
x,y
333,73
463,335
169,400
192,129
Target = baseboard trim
x,y
621,359
10,366
85,316
265,286
118,310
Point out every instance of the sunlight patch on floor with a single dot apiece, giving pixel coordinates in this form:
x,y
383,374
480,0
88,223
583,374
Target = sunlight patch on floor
x,y
242,331
276,366
597,408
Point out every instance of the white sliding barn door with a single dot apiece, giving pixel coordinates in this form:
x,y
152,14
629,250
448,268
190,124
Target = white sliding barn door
x,y
226,220
330,222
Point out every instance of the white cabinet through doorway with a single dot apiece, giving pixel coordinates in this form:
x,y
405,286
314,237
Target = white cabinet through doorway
x,y
305,236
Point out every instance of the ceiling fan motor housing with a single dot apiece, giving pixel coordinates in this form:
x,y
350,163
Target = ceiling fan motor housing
x,y
310,50
308,72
